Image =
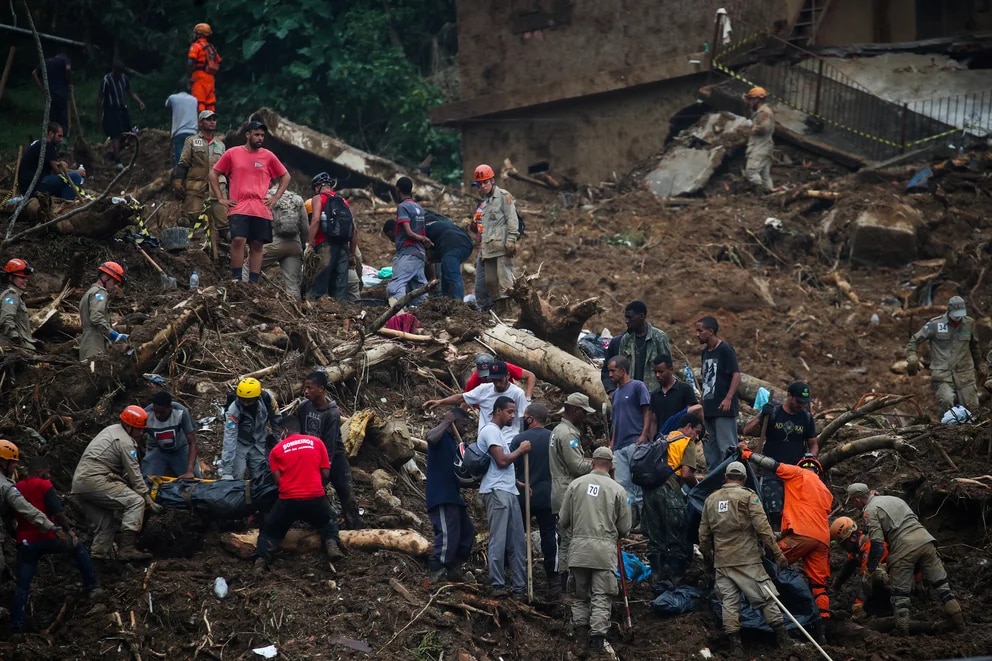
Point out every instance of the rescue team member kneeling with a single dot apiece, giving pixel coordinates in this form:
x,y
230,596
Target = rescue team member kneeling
x,y
301,468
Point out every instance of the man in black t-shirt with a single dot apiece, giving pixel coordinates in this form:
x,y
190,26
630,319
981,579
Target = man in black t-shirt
x,y
788,433
673,398
50,182
452,246
720,377
535,417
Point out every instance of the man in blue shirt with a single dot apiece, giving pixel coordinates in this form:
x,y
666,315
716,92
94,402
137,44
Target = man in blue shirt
x,y
411,242
631,424
499,493
453,528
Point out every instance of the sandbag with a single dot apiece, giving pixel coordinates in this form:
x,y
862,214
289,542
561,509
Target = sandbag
x,y
793,592
683,599
712,482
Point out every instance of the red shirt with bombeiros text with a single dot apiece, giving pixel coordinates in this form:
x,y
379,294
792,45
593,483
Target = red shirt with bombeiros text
x,y
298,459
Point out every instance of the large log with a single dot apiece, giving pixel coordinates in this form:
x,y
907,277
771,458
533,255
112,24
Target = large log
x,y
558,324
374,355
547,361
306,541
170,333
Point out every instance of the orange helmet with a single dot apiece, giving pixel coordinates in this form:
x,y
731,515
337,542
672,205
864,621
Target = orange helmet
x,y
18,267
8,451
309,206
842,528
203,28
135,416
114,270
809,462
484,173
757,93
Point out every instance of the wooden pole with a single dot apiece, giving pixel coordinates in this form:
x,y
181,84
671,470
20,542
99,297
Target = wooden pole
x,y
6,70
17,166
530,551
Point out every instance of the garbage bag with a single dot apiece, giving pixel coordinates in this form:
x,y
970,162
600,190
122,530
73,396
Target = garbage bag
x,y
793,592
635,568
712,482
683,599
217,499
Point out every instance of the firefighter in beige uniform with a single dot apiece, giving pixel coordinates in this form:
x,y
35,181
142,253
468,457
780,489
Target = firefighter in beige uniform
x,y
954,353
889,520
15,326
189,178
108,483
595,512
758,169
567,463
734,526
500,232
290,231
93,316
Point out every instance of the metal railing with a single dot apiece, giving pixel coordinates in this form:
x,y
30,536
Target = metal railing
x,y
851,117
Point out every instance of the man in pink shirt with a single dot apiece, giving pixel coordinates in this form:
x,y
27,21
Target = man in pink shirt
x,y
250,170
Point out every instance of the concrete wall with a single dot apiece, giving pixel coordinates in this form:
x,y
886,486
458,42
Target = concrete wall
x,y
584,142
507,45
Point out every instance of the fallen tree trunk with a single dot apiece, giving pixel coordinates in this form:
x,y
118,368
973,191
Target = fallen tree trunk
x,y
374,355
834,456
558,324
307,541
870,407
171,332
547,361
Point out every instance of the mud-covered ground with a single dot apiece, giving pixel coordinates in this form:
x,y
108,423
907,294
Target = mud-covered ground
x,y
769,290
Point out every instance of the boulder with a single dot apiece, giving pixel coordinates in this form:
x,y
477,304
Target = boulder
x,y
683,171
886,235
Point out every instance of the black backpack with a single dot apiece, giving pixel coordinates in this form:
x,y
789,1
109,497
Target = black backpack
x,y
336,221
471,464
649,465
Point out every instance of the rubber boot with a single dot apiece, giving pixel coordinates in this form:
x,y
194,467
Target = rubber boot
x,y
820,631
126,550
597,644
635,517
454,572
734,640
953,609
782,637
438,573
902,622
333,551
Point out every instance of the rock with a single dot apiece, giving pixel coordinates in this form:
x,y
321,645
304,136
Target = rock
x,y
382,480
386,499
886,235
682,170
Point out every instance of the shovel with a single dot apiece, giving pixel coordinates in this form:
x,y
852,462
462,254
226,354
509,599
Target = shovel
x,y
165,279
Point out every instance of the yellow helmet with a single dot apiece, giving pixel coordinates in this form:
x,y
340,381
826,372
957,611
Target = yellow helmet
x,y
8,450
757,93
842,528
249,389
203,28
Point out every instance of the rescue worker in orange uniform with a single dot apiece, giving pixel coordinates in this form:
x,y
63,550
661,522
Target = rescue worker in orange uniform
x,y
845,532
202,64
805,525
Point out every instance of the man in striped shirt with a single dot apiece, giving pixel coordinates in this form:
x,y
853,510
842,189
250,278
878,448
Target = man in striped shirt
x,y
112,111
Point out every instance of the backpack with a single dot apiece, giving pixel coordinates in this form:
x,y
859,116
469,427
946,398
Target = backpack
x,y
213,59
336,221
649,465
471,463
285,219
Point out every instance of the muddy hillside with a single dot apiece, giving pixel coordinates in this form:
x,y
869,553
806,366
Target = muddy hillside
x,y
823,281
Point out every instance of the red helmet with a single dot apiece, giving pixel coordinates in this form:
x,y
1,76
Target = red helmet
x,y
114,270
18,267
484,173
809,462
135,416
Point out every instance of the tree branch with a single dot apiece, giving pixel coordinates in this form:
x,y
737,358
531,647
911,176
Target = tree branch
x,y
396,307
84,207
844,418
26,195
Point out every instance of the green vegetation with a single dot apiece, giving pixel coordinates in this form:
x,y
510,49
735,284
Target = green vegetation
x,y
354,69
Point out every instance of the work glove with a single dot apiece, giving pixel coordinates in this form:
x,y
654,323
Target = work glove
x,y
782,563
154,507
912,366
746,454
880,577
511,248
117,337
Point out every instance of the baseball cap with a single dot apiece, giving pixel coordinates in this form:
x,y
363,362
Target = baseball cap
x,y
255,124
956,308
205,114
735,468
482,363
581,401
800,391
856,490
497,370
603,452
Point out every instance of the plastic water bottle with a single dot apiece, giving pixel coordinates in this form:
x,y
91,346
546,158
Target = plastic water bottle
x,y
323,219
220,587
687,373
875,320
194,281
